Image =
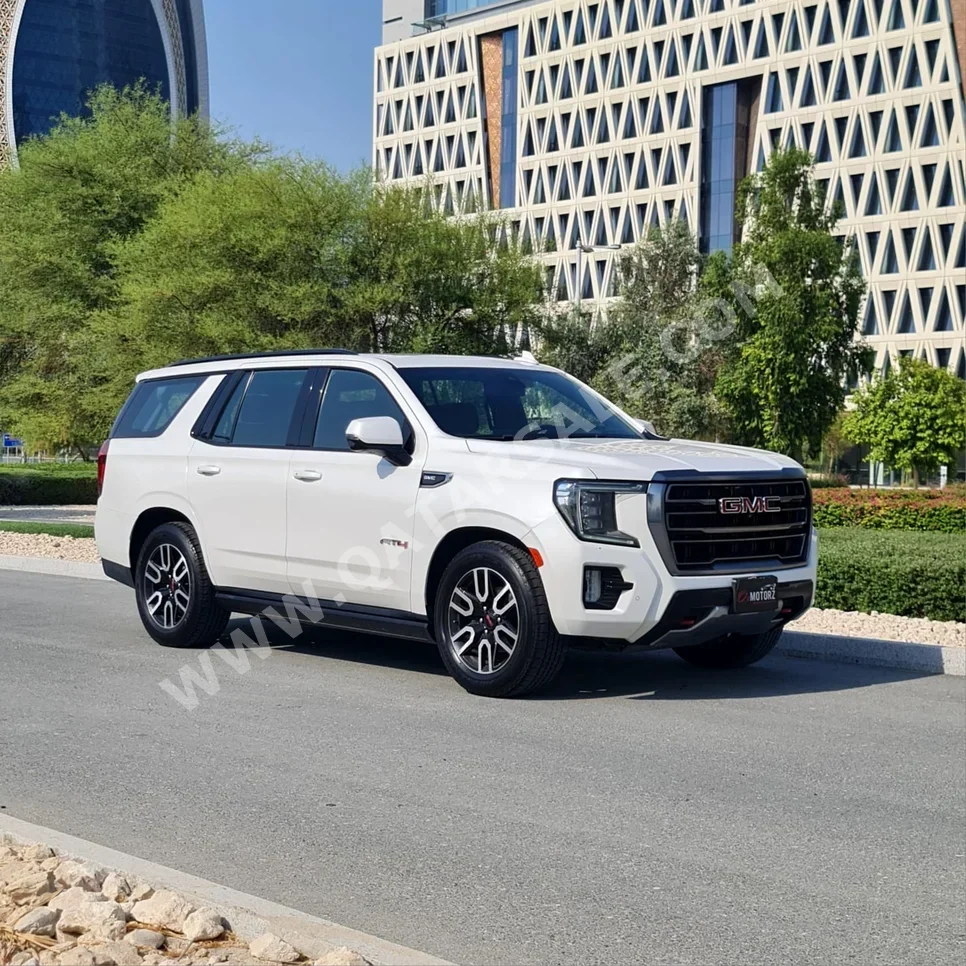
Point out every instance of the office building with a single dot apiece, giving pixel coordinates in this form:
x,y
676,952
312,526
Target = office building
x,y
53,52
588,121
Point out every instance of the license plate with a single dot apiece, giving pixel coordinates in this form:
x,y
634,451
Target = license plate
x,y
752,595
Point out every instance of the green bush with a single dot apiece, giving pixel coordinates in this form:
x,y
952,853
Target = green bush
x,y
48,484
909,574
938,510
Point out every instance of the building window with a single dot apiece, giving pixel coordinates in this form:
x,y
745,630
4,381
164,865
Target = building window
x,y
508,122
440,8
724,147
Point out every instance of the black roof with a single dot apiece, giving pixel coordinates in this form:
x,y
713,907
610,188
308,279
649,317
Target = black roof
x,y
265,355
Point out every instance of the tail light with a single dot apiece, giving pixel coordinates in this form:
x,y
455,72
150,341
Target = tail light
x,y
102,465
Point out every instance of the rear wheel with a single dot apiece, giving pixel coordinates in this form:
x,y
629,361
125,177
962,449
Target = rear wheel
x,y
175,597
493,623
735,650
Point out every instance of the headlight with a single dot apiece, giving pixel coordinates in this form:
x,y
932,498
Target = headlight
x,y
590,509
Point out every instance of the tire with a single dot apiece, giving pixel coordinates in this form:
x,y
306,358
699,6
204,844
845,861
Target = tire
x,y
733,651
187,614
536,652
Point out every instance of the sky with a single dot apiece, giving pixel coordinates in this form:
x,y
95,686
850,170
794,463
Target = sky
x,y
297,73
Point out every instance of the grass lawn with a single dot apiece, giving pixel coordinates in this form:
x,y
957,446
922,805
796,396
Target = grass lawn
x,y
54,529
76,471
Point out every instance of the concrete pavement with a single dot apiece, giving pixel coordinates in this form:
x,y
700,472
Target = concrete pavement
x,y
49,514
643,811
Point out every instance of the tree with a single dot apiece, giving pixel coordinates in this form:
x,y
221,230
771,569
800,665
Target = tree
x,y
91,183
420,281
657,352
914,418
129,243
796,290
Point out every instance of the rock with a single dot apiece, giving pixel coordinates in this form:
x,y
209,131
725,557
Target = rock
x,y
128,907
216,956
272,949
7,852
78,956
48,865
30,886
39,922
166,909
116,954
35,853
48,958
343,956
146,938
141,891
79,874
72,896
203,924
24,959
98,919
116,887
175,945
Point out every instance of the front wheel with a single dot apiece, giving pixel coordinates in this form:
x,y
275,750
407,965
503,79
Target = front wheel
x,y
733,651
493,624
175,597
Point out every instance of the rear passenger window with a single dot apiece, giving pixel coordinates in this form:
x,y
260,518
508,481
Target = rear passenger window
x,y
266,411
152,406
352,394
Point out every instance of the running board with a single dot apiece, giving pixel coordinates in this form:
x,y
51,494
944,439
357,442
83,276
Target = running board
x,y
383,621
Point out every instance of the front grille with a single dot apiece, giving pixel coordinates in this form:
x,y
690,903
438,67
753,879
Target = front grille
x,y
702,538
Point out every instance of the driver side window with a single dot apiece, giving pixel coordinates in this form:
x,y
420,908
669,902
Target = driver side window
x,y
353,394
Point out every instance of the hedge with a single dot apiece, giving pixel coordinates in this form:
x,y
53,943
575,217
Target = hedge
x,y
909,574
48,484
938,510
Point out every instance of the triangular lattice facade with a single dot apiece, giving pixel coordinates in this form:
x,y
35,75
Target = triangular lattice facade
x,y
611,119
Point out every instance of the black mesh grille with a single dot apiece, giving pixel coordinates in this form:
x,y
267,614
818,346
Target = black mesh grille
x,y
770,521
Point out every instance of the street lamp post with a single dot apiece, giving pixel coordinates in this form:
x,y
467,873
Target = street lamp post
x,y
582,250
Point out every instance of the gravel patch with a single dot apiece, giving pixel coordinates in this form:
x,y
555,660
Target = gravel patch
x,y
882,627
81,550
55,911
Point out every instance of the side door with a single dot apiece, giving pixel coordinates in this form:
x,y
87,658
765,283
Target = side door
x,y
238,470
351,514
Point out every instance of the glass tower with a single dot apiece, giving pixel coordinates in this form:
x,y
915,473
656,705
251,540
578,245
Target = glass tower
x,y
65,48
54,52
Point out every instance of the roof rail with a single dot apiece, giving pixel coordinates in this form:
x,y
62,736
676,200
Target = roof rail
x,y
265,355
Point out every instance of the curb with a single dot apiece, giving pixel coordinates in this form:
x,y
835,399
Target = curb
x,y
52,567
249,916
900,655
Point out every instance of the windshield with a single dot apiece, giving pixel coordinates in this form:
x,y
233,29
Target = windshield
x,y
509,404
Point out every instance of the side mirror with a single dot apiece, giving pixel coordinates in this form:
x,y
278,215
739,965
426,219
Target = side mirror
x,y
647,427
378,434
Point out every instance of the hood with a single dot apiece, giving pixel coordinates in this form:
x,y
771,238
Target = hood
x,y
632,459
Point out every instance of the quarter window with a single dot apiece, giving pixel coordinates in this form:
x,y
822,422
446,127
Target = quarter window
x,y
153,405
266,412
353,394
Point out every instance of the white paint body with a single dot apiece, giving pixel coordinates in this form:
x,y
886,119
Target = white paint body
x,y
362,530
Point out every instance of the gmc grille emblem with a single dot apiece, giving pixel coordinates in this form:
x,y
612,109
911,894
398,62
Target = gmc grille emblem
x,y
750,504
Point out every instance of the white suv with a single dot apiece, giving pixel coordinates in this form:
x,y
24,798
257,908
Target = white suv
x,y
499,508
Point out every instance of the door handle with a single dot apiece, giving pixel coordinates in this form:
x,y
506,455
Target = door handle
x,y
308,476
209,470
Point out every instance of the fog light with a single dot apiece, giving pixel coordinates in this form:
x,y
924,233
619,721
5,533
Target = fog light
x,y
603,587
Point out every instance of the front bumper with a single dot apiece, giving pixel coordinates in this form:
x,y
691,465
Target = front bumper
x,y
650,614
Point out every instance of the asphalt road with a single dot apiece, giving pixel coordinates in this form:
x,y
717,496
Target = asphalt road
x,y
642,812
